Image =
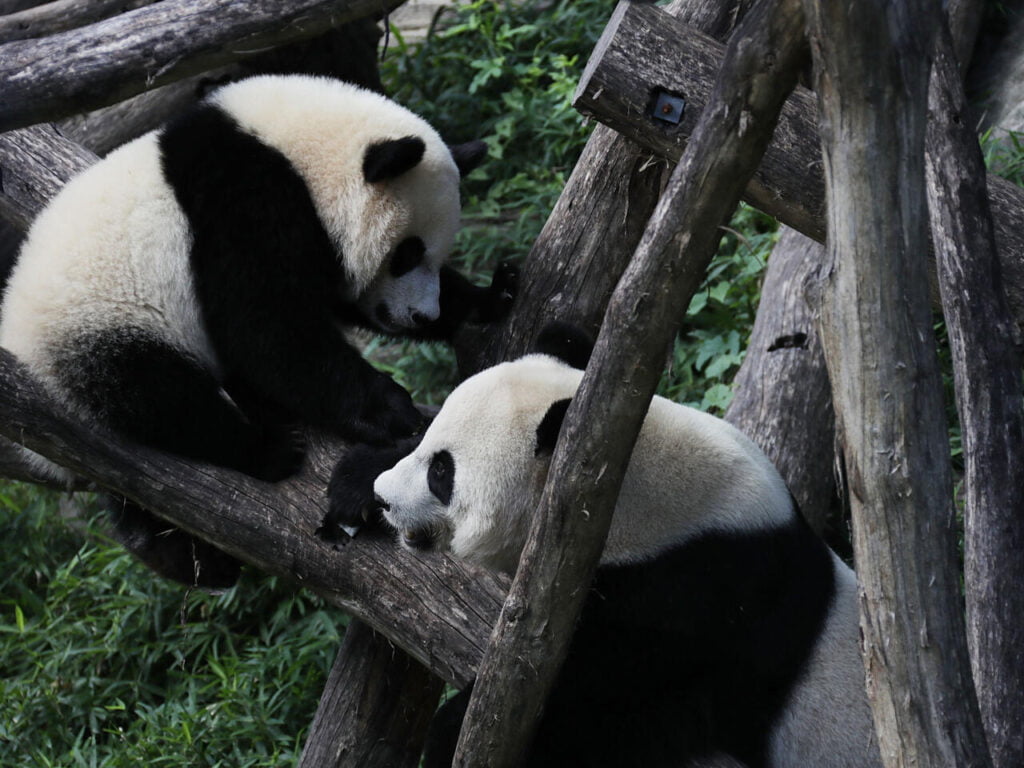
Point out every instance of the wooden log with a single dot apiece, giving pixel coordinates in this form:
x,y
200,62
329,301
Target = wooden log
x,y
622,74
782,399
568,532
437,610
871,76
61,15
375,709
109,61
987,373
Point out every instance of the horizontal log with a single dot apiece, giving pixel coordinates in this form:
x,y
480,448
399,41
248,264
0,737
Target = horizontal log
x,y
61,15
107,62
438,610
647,52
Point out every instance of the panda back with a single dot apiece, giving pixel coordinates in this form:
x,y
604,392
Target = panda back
x,y
110,250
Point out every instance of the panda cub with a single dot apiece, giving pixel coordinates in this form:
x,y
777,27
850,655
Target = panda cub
x,y
718,623
191,290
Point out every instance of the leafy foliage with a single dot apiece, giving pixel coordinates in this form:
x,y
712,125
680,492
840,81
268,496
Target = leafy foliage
x,y
102,664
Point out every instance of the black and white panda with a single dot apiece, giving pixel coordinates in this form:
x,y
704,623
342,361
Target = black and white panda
x,y
718,622
191,290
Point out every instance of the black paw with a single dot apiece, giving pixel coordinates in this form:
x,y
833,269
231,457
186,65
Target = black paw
x,y
351,502
502,293
278,456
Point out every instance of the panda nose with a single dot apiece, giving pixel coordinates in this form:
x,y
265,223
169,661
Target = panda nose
x,y
419,318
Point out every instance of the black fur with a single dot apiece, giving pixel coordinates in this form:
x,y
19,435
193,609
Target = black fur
x,y
350,495
268,282
550,426
390,159
691,653
567,342
468,156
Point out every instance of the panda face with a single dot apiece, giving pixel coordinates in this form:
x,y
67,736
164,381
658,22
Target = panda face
x,y
472,484
407,293
384,184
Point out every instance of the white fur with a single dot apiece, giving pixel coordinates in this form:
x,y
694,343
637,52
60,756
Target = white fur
x,y
323,127
714,478
689,473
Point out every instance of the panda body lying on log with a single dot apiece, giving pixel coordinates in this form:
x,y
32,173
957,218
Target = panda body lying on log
x,y
191,290
717,623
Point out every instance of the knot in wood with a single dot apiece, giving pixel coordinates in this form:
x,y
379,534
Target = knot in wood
x,y
515,610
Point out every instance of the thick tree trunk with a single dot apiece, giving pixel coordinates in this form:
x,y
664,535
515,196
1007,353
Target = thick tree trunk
x,y
376,707
566,538
61,15
871,76
987,372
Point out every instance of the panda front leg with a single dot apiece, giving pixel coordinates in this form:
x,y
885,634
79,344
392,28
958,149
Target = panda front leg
x,y
153,393
461,301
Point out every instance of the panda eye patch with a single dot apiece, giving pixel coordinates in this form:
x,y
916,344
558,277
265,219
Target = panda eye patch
x,y
407,256
441,476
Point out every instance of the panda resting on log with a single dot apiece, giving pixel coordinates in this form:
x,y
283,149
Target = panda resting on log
x,y
191,290
718,622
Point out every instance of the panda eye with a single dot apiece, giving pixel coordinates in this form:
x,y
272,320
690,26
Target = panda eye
x,y
441,476
407,256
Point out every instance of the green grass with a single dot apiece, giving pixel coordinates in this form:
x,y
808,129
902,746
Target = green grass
x,y
103,664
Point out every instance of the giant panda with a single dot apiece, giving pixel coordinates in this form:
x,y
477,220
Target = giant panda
x,y
718,623
191,291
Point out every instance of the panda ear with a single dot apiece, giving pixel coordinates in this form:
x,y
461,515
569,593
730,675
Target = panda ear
x,y
568,342
550,426
468,156
390,159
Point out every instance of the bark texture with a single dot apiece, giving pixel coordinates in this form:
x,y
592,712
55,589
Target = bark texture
x,y
107,62
662,54
782,397
871,76
572,521
987,373
61,15
374,690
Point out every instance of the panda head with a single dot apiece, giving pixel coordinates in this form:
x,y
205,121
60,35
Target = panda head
x,y
471,485
384,184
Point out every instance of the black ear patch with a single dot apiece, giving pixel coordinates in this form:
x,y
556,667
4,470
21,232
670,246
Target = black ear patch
x,y
390,159
468,156
567,342
550,426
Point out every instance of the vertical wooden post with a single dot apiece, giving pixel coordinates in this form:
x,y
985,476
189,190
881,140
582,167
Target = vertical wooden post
x,y
871,70
375,708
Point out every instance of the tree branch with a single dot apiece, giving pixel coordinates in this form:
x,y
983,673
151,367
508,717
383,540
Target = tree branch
x,y
789,184
436,609
61,15
871,72
109,61
566,538
987,372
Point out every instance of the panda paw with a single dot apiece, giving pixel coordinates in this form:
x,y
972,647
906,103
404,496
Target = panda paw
x,y
352,505
501,294
279,455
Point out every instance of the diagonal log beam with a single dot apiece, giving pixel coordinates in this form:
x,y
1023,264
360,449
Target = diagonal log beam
x,y
109,61
568,532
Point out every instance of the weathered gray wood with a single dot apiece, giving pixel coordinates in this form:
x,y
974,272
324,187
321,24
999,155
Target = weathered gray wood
x,y
871,74
13,6
572,520
437,610
782,397
375,709
61,15
109,61
987,373
34,164
649,51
